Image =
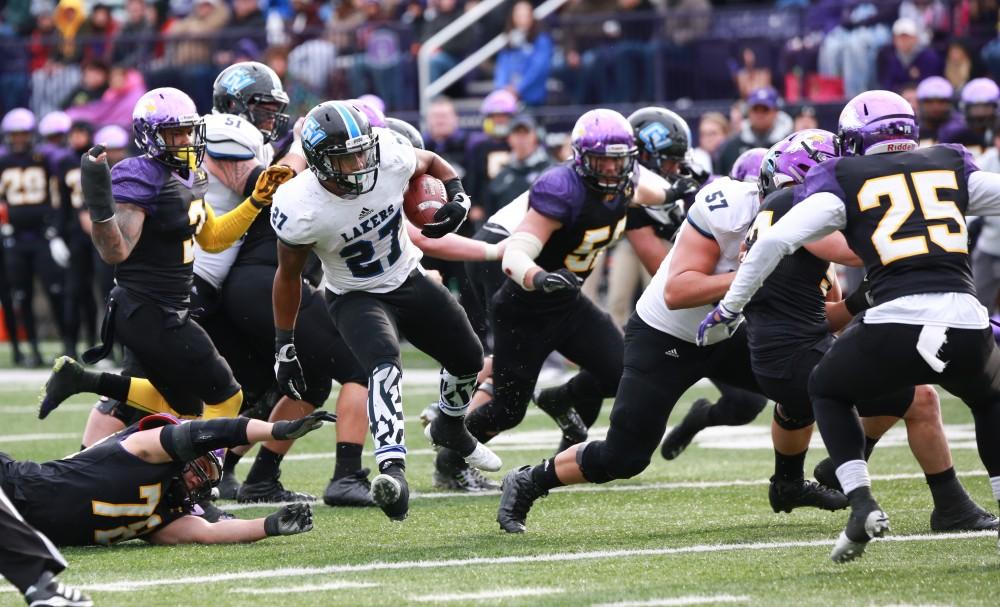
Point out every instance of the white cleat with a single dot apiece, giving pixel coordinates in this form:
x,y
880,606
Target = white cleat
x,y
483,458
875,525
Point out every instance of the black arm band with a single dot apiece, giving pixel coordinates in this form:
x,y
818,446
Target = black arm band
x,y
453,187
251,183
188,441
283,337
857,302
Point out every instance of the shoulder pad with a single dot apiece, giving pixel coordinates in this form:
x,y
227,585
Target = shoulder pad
x,y
230,137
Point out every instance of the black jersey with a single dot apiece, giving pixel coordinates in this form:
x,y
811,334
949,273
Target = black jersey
x,y
67,172
101,495
905,217
27,185
160,268
788,313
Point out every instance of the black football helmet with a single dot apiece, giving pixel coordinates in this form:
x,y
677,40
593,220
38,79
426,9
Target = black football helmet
x,y
340,147
661,135
407,130
242,87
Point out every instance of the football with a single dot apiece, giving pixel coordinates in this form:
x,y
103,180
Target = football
x,y
423,198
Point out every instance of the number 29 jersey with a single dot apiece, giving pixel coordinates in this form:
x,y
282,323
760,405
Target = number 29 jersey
x,y
361,241
905,217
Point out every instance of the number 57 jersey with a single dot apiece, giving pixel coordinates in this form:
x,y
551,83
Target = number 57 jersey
x,y
361,241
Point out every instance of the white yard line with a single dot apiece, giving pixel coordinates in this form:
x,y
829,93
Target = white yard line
x,y
484,595
308,588
518,560
589,488
22,438
680,600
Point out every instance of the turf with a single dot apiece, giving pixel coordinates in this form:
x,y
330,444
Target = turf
x,y
659,541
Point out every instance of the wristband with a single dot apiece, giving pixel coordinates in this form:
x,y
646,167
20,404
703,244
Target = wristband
x,y
453,187
283,337
491,252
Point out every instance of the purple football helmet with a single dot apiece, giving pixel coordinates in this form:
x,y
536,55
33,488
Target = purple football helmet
x,y
169,108
112,137
375,115
935,87
55,123
980,90
600,135
789,160
374,101
500,101
876,122
747,166
979,103
207,467
18,120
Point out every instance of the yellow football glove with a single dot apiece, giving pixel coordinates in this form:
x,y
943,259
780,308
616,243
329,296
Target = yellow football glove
x,y
267,184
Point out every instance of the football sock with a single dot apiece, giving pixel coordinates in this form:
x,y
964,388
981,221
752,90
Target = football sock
x,y
841,429
544,475
106,384
946,491
392,467
265,467
348,460
995,484
790,467
870,446
853,474
456,392
232,458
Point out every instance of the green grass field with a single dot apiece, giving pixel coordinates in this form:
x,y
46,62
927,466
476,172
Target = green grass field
x,y
694,531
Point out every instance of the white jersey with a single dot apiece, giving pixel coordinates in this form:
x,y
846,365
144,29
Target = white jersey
x,y
361,241
506,220
230,138
723,211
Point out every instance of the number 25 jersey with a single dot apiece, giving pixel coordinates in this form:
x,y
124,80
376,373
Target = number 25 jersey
x,y
905,217
361,241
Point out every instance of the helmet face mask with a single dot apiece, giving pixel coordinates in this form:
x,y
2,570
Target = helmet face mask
x,y
159,116
341,149
604,150
663,139
252,91
207,470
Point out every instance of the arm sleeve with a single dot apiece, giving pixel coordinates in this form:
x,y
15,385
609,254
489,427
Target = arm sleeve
x,y
219,233
814,217
984,193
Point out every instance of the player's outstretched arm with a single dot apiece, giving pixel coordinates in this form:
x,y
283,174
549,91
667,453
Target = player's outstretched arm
x,y
289,520
690,278
189,441
219,233
524,246
452,247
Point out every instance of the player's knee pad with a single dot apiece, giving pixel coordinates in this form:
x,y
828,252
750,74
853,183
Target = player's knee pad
x,y
792,420
456,392
189,441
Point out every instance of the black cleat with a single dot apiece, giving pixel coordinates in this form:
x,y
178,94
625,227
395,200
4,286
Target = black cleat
x,y
50,592
566,417
864,524
678,439
65,381
786,496
212,513
450,432
391,493
229,486
270,491
466,479
519,493
965,517
825,473
351,491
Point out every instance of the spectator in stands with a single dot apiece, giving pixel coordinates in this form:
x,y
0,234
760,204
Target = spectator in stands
x,y
906,60
986,255
134,42
765,126
849,50
97,33
14,60
958,65
749,76
805,119
194,42
440,14
487,151
92,85
302,97
43,36
68,19
630,53
444,136
381,62
306,22
528,159
248,21
523,66
584,62
737,112
115,105
347,18
712,132
934,107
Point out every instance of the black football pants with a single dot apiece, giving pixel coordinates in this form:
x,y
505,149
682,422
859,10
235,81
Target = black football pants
x,y
25,258
25,553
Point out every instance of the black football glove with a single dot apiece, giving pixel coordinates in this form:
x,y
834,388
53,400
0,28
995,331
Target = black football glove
x,y
289,520
560,280
695,172
861,299
95,181
681,188
287,370
297,428
449,217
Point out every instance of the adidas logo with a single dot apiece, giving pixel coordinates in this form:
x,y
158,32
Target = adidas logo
x,y
672,352
365,212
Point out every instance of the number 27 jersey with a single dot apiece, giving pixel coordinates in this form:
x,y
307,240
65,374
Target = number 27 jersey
x,y
905,217
361,241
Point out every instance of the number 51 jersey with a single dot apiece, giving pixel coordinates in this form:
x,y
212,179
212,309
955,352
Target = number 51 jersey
x,y
361,241
905,217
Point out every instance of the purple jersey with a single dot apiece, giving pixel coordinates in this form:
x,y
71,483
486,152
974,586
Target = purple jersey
x,y
591,220
905,217
160,268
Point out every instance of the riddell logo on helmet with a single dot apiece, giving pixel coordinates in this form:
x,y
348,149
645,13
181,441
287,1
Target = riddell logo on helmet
x,y
900,147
